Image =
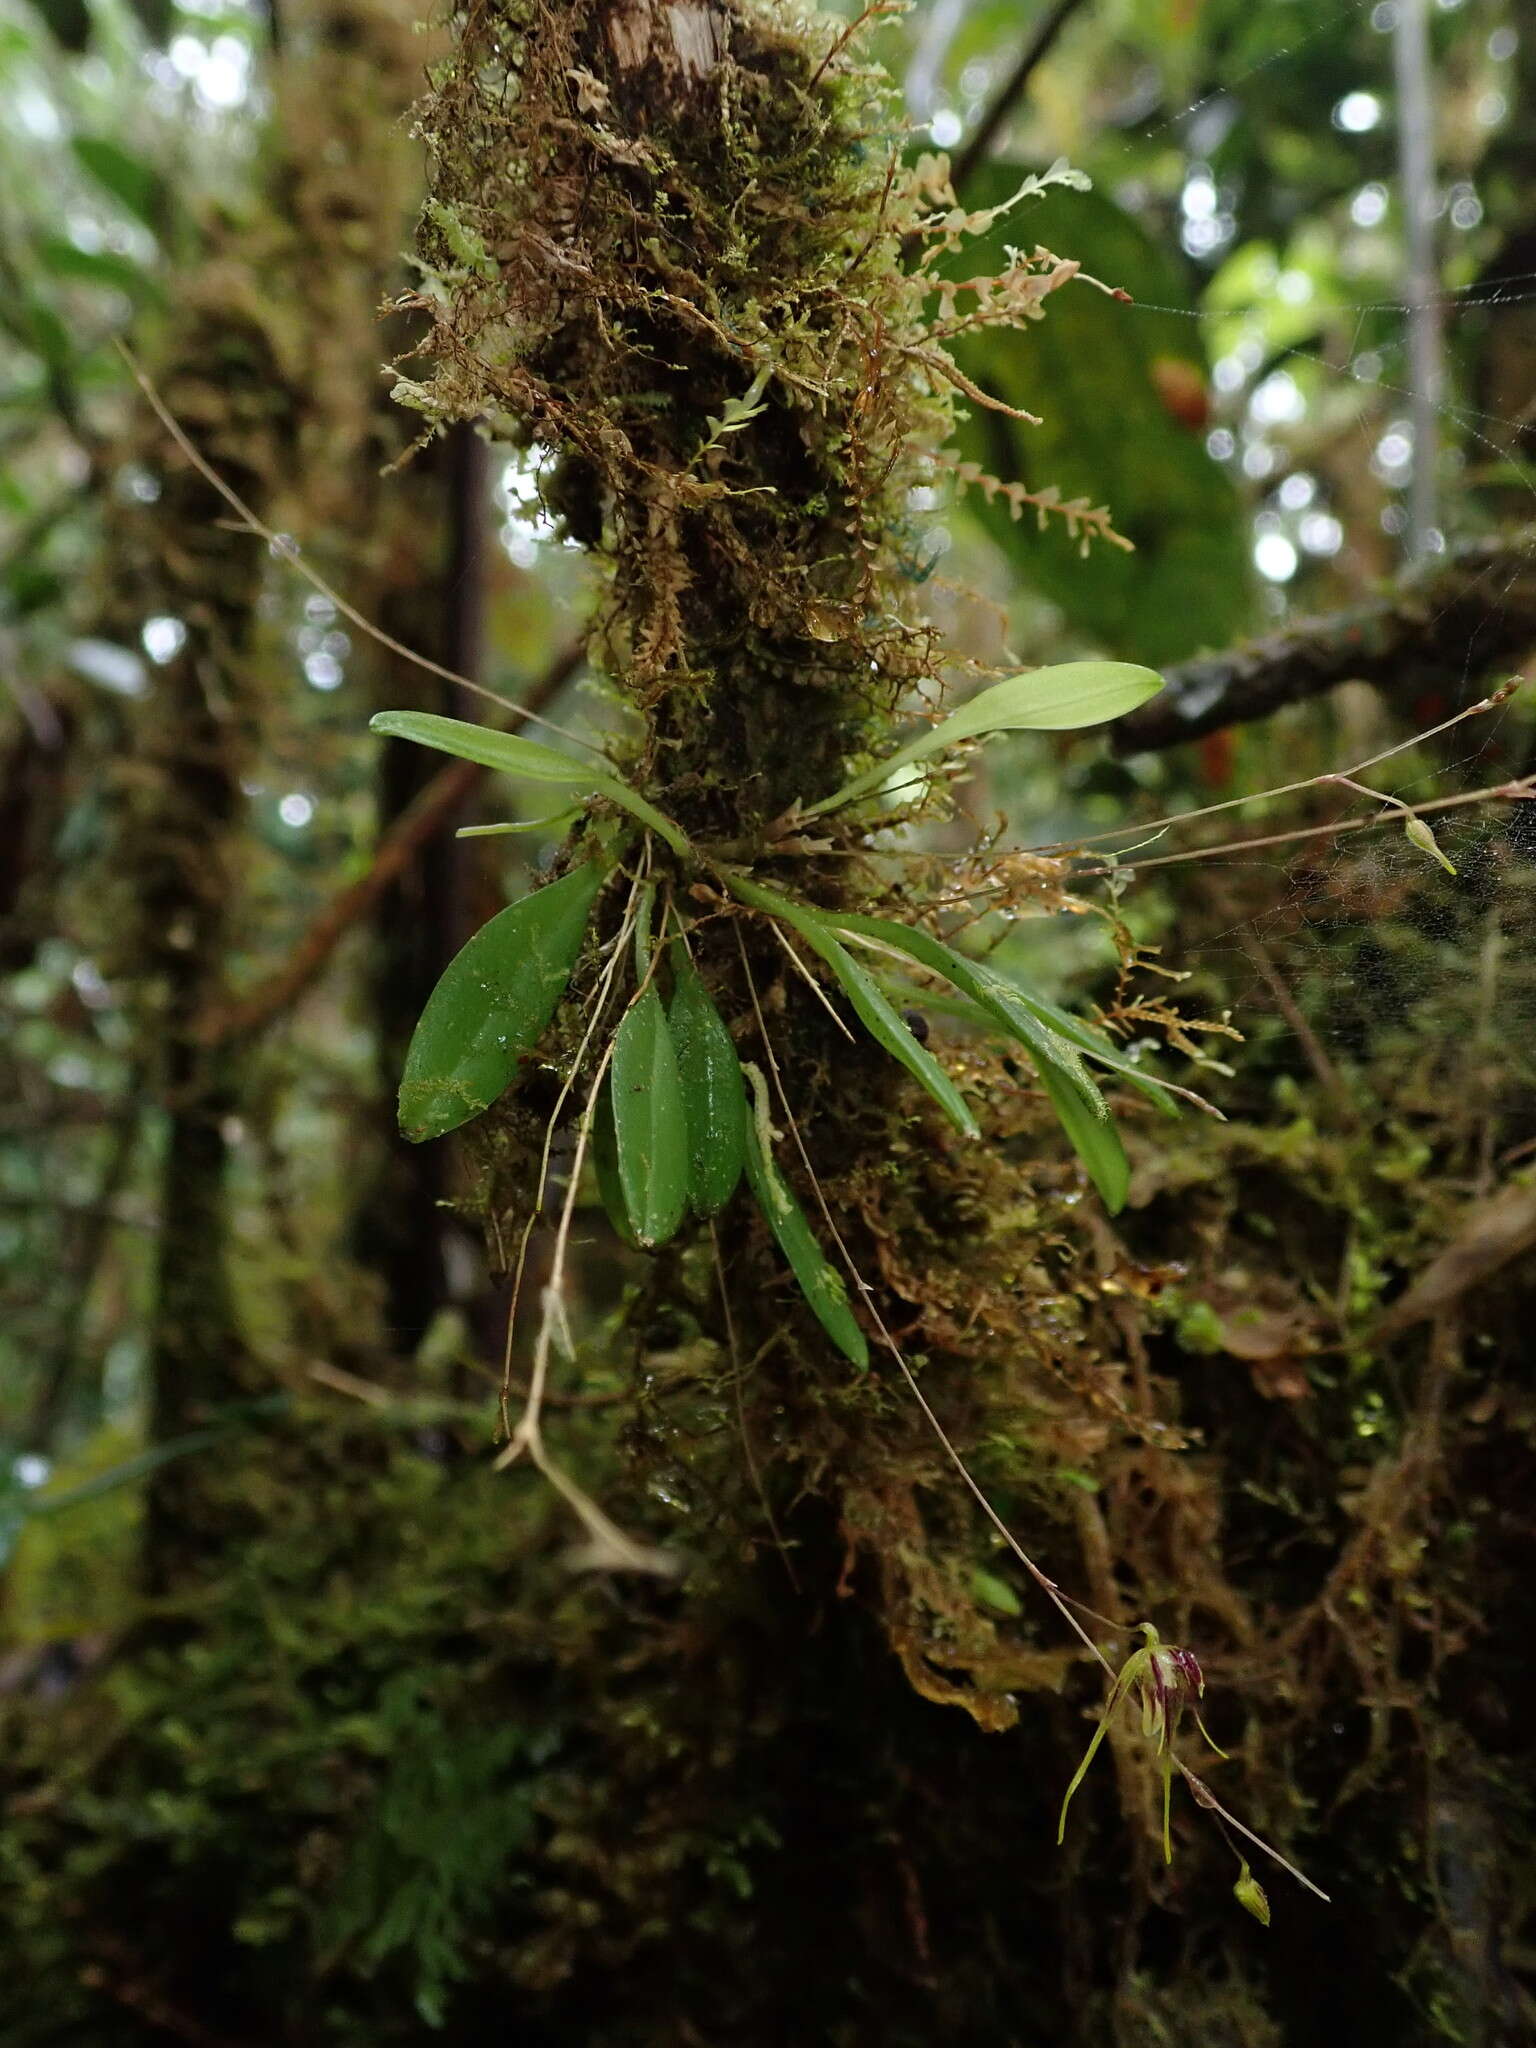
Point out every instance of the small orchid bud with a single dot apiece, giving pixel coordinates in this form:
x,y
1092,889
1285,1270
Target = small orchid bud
x,y
1419,833
1249,1892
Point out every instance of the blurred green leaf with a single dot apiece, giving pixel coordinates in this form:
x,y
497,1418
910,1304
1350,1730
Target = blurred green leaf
x,y
134,184
1121,393
995,1593
61,258
40,327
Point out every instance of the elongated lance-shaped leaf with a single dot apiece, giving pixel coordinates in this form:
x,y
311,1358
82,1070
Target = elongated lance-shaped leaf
x,y
1060,699
879,1019
1076,1100
1092,1044
493,1004
821,1285
714,1095
605,1165
648,1121
998,997
512,755
1093,1137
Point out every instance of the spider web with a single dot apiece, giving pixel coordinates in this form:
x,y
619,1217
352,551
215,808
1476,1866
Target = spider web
x,y
1357,946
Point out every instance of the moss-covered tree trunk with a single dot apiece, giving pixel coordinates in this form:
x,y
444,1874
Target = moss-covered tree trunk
x,y
672,251
270,364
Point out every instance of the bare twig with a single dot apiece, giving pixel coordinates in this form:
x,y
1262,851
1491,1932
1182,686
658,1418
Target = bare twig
x,y
1143,829
1458,618
1490,1235
809,979
1013,88
1523,791
599,1004
286,550
608,1546
433,810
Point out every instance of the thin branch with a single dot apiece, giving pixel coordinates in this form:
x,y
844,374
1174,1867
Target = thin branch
x,y
432,811
541,1184
285,549
1012,89
1452,622
872,12
1156,826
1523,791
809,979
608,1546
1205,1797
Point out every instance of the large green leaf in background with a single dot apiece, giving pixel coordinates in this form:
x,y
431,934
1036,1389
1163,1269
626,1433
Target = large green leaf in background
x,y
1107,380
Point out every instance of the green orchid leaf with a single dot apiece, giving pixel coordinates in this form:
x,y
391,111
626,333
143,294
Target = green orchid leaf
x,y
510,754
605,1165
1060,699
133,183
1093,1137
1076,1100
822,1287
714,1095
1094,1045
880,1020
649,1124
493,1004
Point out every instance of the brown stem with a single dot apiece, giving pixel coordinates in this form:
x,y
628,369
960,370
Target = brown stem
x,y
1442,630
433,810
1013,88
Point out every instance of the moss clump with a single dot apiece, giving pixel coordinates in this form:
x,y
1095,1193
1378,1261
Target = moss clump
x,y
665,250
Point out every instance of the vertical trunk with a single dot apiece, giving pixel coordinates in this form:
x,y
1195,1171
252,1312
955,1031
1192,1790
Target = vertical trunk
x,y
181,838
270,363
435,603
